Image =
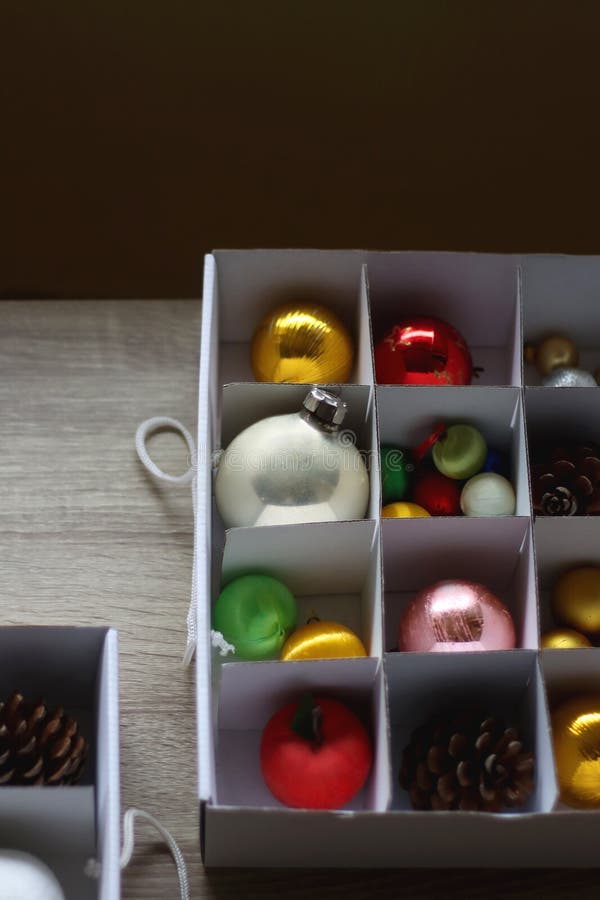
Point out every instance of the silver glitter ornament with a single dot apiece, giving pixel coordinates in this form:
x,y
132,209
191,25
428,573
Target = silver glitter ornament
x,y
293,468
567,377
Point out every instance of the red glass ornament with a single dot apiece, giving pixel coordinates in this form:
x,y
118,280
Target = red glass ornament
x,y
320,771
456,616
436,493
423,350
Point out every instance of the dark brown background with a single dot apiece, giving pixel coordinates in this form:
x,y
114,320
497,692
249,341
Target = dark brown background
x,y
136,134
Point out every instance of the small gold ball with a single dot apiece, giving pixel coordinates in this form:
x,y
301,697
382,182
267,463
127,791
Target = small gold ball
x,y
322,640
576,599
563,639
302,343
556,351
576,737
402,510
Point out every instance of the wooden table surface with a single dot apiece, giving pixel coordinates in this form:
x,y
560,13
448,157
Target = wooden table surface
x,y
87,537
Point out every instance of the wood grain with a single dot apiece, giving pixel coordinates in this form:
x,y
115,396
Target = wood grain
x,y
86,537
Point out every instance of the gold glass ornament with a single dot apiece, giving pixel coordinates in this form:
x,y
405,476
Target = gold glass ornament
x,y
576,735
322,640
554,351
563,639
576,599
302,343
403,510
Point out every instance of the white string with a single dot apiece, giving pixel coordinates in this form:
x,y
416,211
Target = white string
x,y
93,868
189,477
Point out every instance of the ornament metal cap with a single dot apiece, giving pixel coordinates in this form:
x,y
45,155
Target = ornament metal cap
x,y
328,408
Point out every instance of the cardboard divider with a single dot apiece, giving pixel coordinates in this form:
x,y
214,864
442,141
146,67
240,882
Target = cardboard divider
x,y
562,543
250,693
560,296
475,293
570,673
251,283
494,552
332,569
506,685
245,404
76,668
407,416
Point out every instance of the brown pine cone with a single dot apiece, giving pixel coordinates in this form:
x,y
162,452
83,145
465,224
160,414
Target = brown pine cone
x,y
566,481
466,762
38,747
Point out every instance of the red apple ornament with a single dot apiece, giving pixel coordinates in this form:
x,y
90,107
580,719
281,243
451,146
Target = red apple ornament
x,y
423,350
437,493
315,754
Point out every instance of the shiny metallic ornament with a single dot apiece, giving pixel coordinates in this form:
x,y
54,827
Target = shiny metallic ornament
x,y
576,599
567,377
576,736
456,616
423,350
297,343
556,351
323,640
488,494
563,639
294,468
404,510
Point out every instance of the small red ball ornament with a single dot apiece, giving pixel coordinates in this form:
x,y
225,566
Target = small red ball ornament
x,y
315,754
437,493
423,350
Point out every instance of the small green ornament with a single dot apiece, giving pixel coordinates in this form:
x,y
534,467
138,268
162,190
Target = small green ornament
x,y
460,452
257,614
396,473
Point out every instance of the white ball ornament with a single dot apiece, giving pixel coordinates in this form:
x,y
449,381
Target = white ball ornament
x,y
24,877
488,494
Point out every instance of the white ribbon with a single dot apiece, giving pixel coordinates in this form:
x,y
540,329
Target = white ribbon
x,y
93,868
189,477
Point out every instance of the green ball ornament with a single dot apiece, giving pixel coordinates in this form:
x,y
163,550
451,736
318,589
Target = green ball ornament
x,y
257,614
396,473
460,452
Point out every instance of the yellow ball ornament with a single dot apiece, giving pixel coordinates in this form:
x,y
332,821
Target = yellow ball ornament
x,y
555,351
403,510
563,639
576,736
576,599
322,640
302,343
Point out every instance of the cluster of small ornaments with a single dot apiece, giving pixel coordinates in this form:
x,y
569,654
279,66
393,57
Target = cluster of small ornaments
x,y
556,358
575,604
461,474
463,760
257,615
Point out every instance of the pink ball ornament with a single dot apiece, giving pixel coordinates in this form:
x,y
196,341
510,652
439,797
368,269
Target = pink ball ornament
x,y
456,616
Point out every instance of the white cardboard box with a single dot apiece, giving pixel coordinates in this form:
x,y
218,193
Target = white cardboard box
x,y
495,301
76,668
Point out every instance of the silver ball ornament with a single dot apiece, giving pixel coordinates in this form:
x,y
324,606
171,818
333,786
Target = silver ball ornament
x,y
24,877
568,377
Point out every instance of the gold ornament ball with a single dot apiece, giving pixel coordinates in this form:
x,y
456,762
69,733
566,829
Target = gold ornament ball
x,y
555,351
402,510
322,640
576,735
563,639
576,599
302,343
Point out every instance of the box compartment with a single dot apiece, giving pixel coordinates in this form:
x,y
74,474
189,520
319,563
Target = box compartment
x,y
76,668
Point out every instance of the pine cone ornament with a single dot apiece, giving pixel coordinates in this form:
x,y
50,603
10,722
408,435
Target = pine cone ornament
x,y
566,482
38,747
465,761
